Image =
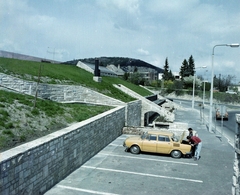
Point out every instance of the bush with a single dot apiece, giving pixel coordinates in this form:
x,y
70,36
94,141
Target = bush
x,y
8,132
35,111
23,138
9,125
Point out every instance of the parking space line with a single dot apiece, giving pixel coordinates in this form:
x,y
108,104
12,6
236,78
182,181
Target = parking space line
x,y
149,159
143,174
115,145
84,190
122,137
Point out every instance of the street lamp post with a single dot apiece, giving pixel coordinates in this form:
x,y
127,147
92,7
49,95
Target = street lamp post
x,y
194,80
204,92
212,75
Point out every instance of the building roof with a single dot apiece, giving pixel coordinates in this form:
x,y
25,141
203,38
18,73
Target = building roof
x,y
115,69
103,70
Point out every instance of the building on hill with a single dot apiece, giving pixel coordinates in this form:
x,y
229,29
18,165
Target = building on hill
x,y
148,76
149,73
233,89
116,70
175,74
91,67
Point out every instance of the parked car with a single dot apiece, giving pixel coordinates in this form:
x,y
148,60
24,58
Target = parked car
x,y
221,113
231,92
163,142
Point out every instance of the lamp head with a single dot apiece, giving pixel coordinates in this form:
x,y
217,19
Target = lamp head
x,y
233,45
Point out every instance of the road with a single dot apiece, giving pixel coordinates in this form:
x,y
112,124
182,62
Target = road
x,y
221,128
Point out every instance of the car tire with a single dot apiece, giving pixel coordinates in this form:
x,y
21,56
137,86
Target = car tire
x,y
135,149
176,154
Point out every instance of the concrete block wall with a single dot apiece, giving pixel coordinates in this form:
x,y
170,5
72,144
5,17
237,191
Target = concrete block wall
x,y
236,162
59,93
133,114
35,167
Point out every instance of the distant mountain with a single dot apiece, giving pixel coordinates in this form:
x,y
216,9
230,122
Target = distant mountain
x,y
127,64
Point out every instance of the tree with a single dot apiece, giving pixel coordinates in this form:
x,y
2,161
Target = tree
x,y
184,69
222,82
126,76
188,82
167,74
171,76
188,68
135,69
191,65
166,71
135,78
178,86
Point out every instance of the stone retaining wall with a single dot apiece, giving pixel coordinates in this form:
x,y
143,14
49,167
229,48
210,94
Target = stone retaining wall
x,y
35,167
59,93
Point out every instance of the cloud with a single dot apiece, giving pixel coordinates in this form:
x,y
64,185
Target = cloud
x,y
124,14
142,52
150,30
129,6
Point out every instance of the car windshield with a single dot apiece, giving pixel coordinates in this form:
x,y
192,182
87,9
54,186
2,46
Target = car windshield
x,y
174,138
144,135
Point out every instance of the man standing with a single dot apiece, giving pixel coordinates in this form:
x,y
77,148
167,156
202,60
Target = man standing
x,y
197,142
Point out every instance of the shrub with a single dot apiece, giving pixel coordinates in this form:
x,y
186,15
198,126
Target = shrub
x,y
23,138
35,111
9,125
8,132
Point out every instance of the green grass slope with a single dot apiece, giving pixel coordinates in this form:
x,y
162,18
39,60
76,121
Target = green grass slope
x,y
21,122
67,74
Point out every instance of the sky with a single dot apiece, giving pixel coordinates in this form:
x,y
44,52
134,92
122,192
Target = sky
x,y
149,30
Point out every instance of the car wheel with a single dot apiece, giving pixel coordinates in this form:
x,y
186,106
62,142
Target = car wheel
x,y
176,154
135,149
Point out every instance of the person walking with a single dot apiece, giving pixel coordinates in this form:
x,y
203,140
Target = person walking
x,y
197,143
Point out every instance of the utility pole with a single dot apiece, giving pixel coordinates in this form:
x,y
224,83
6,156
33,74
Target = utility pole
x,y
219,82
39,76
52,52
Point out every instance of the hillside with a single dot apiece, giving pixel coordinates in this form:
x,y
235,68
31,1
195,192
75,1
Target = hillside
x,y
21,122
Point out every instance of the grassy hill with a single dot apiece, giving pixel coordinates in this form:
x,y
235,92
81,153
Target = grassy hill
x,y
21,122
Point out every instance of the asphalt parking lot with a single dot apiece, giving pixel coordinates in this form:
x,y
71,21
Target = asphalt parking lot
x,y
114,171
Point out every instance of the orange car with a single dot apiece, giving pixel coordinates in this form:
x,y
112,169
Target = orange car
x,y
163,142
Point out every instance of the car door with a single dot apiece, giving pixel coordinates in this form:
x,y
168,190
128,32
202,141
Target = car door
x,y
150,143
164,144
